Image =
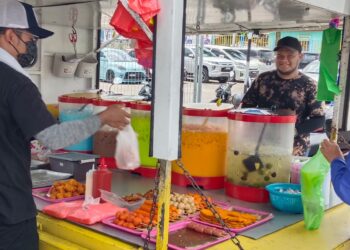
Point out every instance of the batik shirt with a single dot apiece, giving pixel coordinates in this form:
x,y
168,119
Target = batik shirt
x,y
269,90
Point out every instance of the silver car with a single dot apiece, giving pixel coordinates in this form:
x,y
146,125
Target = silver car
x,y
214,68
238,59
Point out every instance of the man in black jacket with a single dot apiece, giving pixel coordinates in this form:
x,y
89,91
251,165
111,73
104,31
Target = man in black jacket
x,y
287,88
23,115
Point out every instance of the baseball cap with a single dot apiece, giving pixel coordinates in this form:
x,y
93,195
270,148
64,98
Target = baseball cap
x,y
18,15
288,42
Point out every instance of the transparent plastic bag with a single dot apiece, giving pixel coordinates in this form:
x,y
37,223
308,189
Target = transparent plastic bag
x,y
313,174
127,150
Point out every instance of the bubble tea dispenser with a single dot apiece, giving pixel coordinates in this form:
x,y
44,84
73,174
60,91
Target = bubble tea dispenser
x,y
259,153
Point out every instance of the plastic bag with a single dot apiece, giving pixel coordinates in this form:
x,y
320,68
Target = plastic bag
x,y
313,174
93,213
127,151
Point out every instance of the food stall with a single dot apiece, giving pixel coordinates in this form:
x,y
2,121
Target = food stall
x,y
197,17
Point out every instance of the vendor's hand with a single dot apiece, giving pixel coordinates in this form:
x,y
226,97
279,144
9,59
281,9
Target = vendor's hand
x,y
330,150
115,117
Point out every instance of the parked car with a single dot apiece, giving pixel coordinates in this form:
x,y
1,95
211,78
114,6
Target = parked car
x,y
308,57
239,60
215,68
264,55
312,70
116,66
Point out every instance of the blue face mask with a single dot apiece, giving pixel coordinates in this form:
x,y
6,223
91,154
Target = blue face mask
x,y
30,57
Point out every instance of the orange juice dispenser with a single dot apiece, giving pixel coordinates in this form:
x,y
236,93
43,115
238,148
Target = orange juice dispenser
x,y
203,146
259,152
141,123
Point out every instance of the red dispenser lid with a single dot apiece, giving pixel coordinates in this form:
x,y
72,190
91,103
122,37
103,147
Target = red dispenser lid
x,y
245,117
140,106
72,99
101,102
207,109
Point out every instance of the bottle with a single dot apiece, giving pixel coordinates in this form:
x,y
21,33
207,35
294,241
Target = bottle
x,y
102,179
88,182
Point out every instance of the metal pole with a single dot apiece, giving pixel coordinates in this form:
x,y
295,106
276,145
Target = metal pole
x,y
339,117
163,204
247,80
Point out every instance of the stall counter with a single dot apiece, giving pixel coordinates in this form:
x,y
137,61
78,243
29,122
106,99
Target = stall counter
x,y
334,232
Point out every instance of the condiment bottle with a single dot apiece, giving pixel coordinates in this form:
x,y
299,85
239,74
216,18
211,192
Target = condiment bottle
x,y
89,182
102,179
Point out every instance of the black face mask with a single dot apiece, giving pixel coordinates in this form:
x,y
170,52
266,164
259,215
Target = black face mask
x,y
29,58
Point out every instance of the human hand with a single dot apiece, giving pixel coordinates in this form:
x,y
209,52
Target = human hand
x,y
115,116
330,150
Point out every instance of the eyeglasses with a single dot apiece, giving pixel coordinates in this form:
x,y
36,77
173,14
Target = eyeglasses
x,y
34,38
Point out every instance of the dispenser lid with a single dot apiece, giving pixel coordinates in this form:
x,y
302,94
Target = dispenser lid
x,y
141,106
101,102
207,109
256,115
74,99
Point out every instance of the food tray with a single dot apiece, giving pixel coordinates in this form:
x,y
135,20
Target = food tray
x,y
109,222
181,225
265,216
41,194
45,178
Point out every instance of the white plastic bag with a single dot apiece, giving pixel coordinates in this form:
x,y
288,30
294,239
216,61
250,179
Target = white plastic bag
x,y
127,150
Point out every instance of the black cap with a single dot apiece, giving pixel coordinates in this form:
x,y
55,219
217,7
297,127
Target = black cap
x,y
34,27
288,42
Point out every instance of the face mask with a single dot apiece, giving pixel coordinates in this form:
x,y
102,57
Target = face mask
x,y
29,58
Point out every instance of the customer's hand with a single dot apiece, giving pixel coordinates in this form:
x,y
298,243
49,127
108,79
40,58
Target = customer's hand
x,y
330,150
115,117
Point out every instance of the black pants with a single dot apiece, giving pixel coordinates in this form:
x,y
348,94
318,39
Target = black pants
x,y
21,236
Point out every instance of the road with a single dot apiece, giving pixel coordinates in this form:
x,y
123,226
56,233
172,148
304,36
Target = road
x,y
208,90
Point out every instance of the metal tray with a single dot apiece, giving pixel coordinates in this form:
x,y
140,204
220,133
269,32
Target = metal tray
x,y
45,178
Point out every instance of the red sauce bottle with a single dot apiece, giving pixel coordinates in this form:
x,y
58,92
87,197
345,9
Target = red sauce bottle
x,y
102,179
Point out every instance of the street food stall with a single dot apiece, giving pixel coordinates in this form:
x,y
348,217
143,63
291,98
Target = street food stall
x,y
76,25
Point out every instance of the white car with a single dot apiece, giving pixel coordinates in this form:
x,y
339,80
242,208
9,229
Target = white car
x,y
214,67
238,59
312,70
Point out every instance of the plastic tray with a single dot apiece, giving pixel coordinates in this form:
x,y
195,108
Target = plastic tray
x,y
265,216
109,222
180,225
41,194
45,178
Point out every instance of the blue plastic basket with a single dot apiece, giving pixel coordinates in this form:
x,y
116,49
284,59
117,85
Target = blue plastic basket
x,y
283,201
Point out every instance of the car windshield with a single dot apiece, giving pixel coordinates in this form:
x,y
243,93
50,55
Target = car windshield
x,y
310,57
207,53
253,53
118,56
236,54
266,54
312,67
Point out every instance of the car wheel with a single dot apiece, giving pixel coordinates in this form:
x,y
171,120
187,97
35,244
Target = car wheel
x,y
110,76
205,75
223,79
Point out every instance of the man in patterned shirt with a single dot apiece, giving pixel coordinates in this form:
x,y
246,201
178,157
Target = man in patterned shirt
x,y
287,88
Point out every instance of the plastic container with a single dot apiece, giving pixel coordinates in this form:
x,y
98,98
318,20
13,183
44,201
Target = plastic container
x,y
62,68
141,123
204,143
89,182
286,202
73,163
77,106
87,68
259,152
102,179
297,163
118,201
